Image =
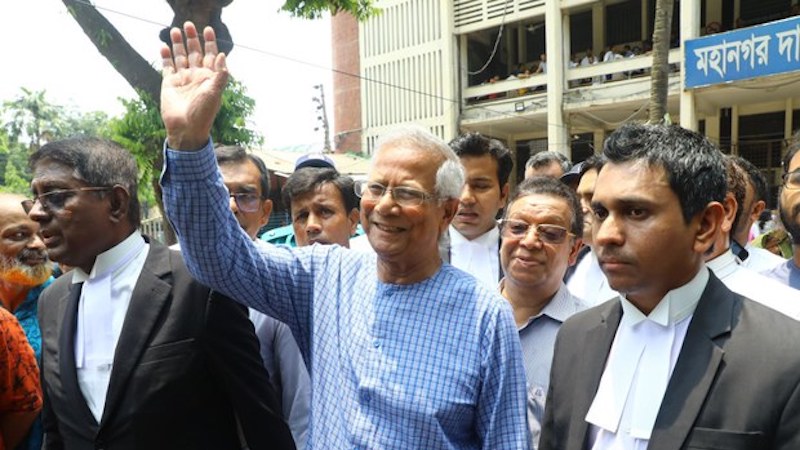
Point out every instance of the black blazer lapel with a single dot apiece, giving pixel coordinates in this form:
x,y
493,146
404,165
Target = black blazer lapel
x,y
596,347
68,311
147,302
696,367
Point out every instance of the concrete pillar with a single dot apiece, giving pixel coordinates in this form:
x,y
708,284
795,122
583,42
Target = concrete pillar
x,y
598,29
599,138
566,42
557,132
735,129
712,127
690,29
787,122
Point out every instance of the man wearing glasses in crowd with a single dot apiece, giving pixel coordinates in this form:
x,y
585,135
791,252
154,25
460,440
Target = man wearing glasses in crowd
x,y
541,238
136,353
247,179
404,352
789,203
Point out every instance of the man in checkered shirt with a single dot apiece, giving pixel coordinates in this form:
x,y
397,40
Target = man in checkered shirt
x,y
404,352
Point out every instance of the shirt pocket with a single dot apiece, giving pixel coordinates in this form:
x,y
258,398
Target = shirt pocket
x,y
710,439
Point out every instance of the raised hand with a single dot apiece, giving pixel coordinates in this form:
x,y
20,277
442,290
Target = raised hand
x,y
192,85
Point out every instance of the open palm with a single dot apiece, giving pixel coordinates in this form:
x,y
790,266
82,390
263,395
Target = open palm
x,y
191,90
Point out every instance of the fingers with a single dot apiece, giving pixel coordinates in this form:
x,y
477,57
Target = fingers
x,y
189,53
211,50
194,51
166,60
178,50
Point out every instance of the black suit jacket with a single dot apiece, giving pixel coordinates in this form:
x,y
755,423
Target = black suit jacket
x,y
736,383
186,366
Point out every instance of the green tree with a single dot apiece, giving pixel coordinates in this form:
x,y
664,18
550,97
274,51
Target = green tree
x,y
313,9
29,121
32,118
138,72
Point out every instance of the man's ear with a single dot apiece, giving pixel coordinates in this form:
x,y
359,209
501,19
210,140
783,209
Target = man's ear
x,y
119,199
353,218
758,208
706,224
449,209
266,210
504,195
730,205
573,252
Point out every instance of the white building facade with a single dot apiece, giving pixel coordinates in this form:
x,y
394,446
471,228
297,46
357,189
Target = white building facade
x,y
474,65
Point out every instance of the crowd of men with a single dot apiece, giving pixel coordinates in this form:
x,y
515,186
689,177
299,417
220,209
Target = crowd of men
x,y
613,304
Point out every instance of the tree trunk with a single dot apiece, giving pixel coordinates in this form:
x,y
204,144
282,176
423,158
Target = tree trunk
x,y
659,73
113,46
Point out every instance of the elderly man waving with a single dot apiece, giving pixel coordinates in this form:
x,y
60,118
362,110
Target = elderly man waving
x,y
404,351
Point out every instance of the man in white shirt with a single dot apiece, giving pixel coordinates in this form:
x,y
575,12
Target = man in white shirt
x,y
680,361
541,236
474,238
727,266
135,352
755,201
586,280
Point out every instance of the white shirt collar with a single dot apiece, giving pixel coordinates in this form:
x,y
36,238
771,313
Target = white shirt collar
x,y
678,304
487,240
109,258
724,264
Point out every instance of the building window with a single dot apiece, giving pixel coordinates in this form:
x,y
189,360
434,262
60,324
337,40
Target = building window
x,y
623,23
580,32
761,142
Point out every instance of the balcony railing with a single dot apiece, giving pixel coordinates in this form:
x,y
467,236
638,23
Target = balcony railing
x,y
577,77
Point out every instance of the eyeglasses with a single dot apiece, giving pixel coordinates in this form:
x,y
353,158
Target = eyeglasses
x,y
547,233
54,200
247,201
403,196
791,180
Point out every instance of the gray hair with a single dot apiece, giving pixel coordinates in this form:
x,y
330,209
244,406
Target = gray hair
x,y
548,157
449,176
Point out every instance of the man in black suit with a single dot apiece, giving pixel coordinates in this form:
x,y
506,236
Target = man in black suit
x,y
136,354
678,361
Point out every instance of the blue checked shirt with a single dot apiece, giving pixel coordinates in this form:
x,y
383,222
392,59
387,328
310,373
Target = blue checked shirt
x,y
431,365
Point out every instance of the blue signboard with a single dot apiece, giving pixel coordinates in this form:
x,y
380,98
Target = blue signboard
x,y
767,49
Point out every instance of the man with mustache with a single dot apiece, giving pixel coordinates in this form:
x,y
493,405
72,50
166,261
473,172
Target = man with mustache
x,y
730,269
789,204
474,238
24,272
541,231
679,361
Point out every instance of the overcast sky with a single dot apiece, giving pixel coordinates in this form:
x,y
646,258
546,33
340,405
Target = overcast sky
x,y
49,51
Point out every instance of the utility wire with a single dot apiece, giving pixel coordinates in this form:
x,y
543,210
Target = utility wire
x,y
358,76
